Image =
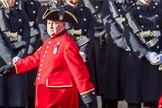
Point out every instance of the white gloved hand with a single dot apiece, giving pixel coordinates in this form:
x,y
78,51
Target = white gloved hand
x,y
153,58
157,33
19,38
159,59
30,49
15,59
127,49
83,55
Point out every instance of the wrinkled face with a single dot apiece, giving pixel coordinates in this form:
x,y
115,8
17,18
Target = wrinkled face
x,y
147,2
8,3
72,2
55,27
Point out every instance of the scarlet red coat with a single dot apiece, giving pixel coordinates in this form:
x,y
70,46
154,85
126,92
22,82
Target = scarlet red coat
x,y
61,73
160,102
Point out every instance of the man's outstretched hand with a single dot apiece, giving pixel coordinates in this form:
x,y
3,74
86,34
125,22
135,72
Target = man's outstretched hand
x,y
8,70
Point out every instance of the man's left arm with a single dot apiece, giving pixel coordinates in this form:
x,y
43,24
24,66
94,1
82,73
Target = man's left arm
x,y
80,75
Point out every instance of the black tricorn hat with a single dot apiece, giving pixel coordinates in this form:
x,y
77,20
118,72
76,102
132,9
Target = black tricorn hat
x,y
59,15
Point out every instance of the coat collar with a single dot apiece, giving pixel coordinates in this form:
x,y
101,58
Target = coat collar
x,y
144,7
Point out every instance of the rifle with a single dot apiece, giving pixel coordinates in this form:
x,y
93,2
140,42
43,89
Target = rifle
x,y
113,9
3,21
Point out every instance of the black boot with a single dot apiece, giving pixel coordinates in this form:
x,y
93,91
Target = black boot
x,y
112,103
31,102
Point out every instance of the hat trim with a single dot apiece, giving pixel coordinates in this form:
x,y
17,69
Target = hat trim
x,y
72,16
46,13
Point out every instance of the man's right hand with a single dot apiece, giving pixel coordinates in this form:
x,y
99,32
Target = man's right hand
x,y
8,70
15,59
159,58
153,58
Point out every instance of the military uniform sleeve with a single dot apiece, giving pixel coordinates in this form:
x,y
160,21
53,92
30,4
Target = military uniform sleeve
x,y
28,62
78,68
137,47
41,24
26,34
90,31
87,48
113,29
161,29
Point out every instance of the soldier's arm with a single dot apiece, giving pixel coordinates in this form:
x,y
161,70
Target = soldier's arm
x,y
113,29
133,40
25,35
90,33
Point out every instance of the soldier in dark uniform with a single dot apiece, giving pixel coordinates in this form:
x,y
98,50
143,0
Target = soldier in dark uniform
x,y
14,42
144,79
82,32
99,46
113,14
31,8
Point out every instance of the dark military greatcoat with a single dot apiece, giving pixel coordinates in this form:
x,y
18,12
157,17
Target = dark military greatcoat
x,y
84,28
14,41
31,7
117,48
85,25
143,79
99,45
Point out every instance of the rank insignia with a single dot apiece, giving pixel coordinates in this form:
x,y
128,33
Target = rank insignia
x,y
56,46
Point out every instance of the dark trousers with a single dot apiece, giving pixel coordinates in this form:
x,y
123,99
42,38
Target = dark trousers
x,y
12,107
132,105
153,104
112,103
31,102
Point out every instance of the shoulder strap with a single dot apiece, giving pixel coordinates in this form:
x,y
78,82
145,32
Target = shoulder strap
x,y
3,21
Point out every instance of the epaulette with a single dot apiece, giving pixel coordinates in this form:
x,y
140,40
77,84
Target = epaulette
x,y
18,4
131,6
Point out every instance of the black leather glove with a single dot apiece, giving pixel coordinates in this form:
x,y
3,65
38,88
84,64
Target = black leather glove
x,y
91,104
8,70
90,99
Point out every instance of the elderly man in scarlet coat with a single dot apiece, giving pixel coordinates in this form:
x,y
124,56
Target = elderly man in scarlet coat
x,y
62,72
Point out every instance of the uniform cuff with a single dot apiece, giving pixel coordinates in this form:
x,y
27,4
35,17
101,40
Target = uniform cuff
x,y
89,97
